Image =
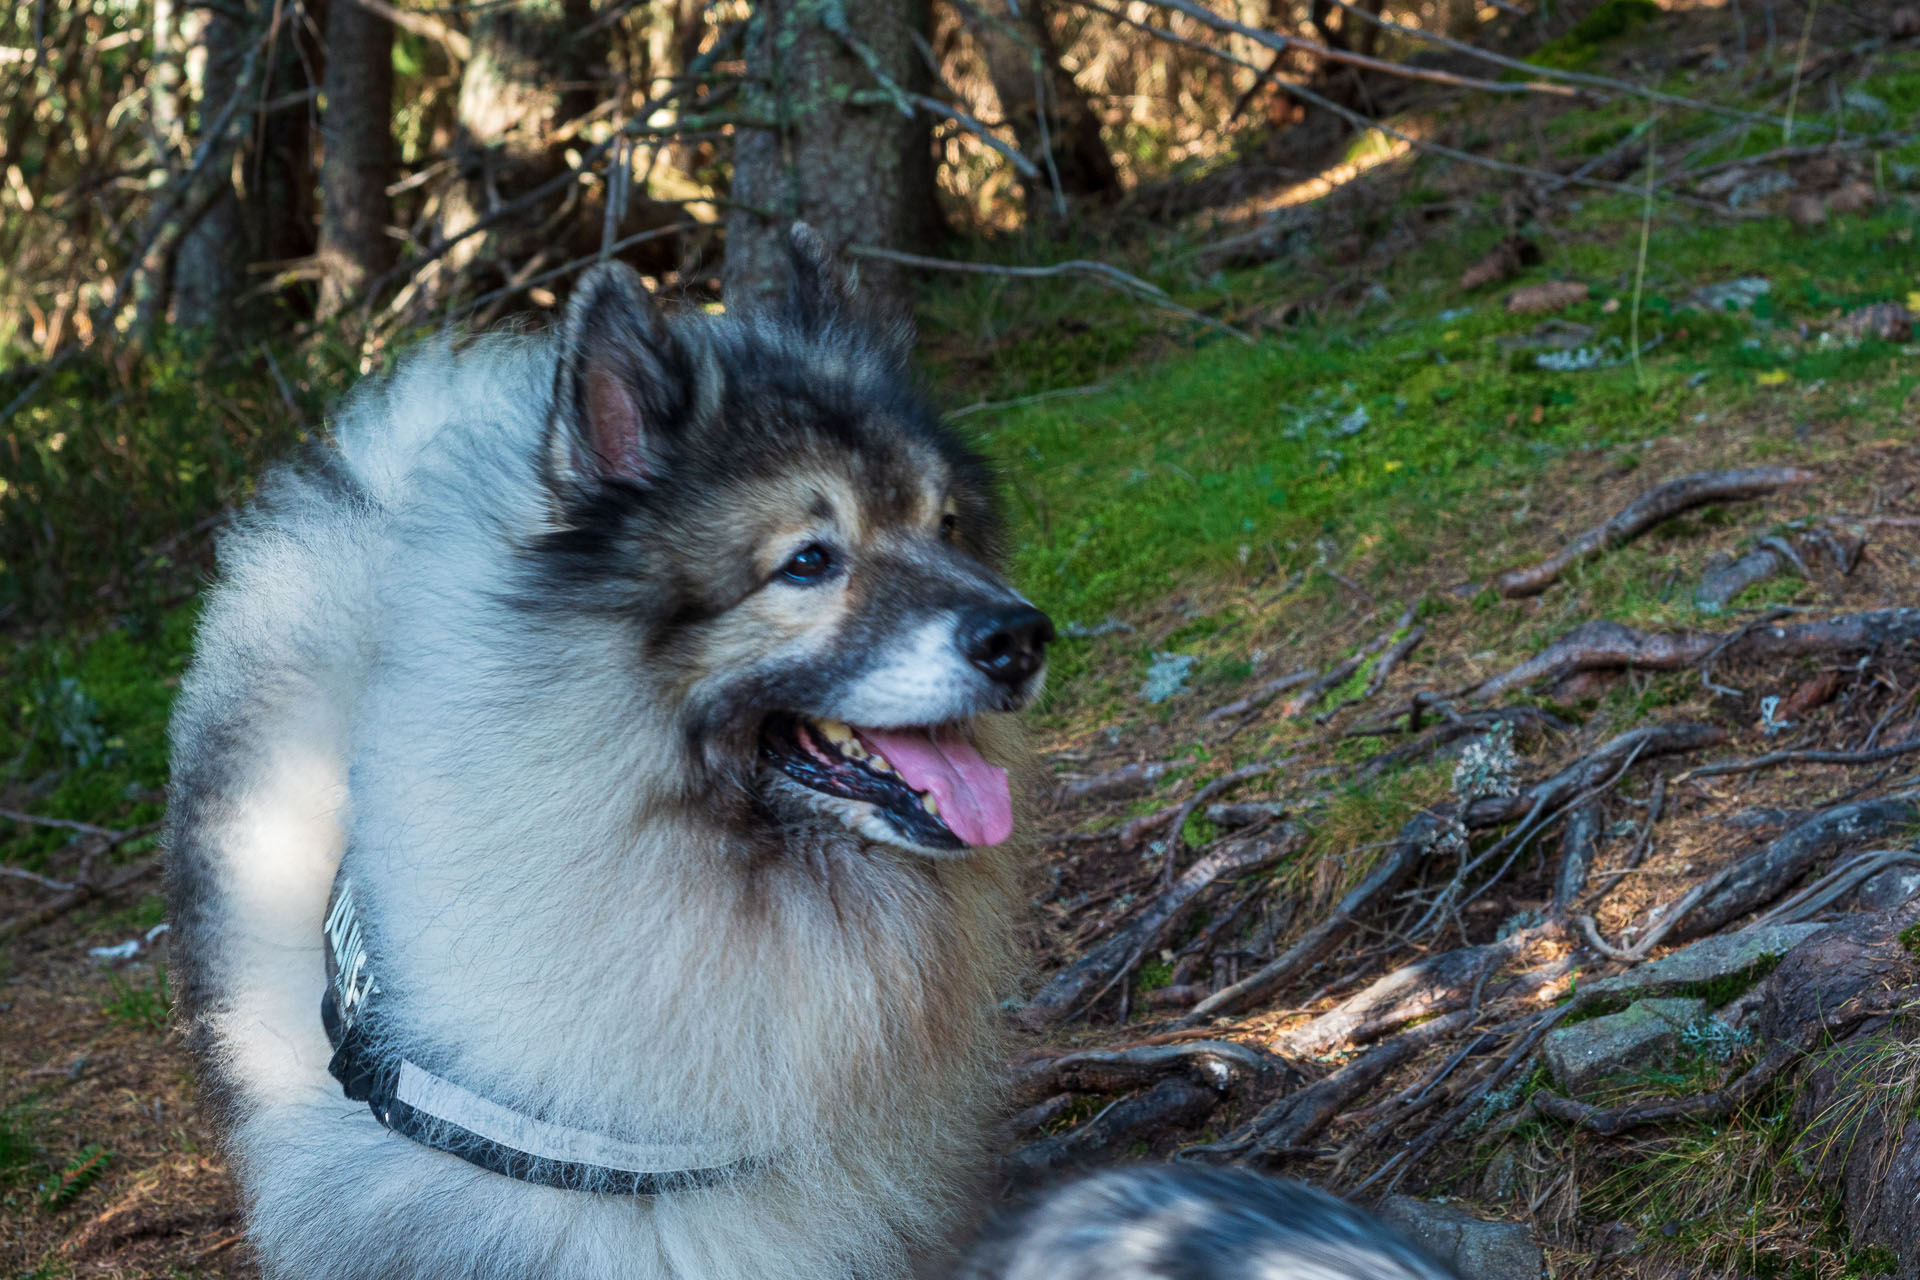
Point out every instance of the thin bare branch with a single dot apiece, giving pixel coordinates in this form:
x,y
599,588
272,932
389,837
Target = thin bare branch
x,y
1104,272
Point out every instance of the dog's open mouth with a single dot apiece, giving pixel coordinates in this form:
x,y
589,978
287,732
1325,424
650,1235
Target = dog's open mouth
x,y
929,781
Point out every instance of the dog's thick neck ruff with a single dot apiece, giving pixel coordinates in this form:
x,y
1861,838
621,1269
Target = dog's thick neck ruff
x,y
437,1113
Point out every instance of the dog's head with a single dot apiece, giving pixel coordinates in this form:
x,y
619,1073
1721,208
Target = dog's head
x,y
805,557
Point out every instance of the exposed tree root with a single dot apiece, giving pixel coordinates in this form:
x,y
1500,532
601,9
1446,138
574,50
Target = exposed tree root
x,y
1430,985
1415,840
1578,840
1646,511
1604,646
1089,977
1218,1064
1259,697
1171,1104
1761,877
1722,582
1423,831
1720,1103
1295,1119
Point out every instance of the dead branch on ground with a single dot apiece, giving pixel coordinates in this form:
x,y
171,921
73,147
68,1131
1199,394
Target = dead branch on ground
x,y
1646,511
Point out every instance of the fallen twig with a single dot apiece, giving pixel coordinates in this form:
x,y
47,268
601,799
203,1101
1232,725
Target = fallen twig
x,y
1105,272
1259,697
1654,805
45,882
84,891
68,824
1720,768
1646,511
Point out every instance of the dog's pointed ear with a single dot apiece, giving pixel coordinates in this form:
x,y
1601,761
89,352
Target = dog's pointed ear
x,y
620,387
819,286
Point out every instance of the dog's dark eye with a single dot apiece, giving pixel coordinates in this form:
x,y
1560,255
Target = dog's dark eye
x,y
809,564
948,523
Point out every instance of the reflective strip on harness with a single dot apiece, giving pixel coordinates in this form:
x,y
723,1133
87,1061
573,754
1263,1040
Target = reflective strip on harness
x,y
438,1113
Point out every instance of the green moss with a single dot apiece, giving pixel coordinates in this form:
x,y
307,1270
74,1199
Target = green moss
x,y
86,722
1152,976
1722,989
143,1004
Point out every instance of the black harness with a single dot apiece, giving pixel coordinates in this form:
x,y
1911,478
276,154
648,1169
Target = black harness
x,y
438,1113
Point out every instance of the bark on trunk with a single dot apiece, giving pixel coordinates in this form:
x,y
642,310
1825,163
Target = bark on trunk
x,y
357,166
1061,134
528,78
209,267
268,215
832,148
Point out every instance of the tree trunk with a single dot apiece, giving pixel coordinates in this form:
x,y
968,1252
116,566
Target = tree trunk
x,y
831,146
166,90
268,216
1061,135
209,267
357,165
528,78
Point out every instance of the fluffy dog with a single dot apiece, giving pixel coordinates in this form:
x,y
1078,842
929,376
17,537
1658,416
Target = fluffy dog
x,y
610,730
1184,1223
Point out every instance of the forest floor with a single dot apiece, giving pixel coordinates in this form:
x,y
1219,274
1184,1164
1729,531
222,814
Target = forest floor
x,y
1339,832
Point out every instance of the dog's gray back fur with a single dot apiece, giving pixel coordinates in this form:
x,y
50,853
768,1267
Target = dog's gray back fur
x,y
570,919
1184,1223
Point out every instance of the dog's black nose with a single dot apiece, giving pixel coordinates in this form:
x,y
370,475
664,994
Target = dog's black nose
x,y
1008,642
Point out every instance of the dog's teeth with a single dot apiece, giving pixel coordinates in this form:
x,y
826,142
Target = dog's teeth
x,y
878,763
931,805
852,749
836,732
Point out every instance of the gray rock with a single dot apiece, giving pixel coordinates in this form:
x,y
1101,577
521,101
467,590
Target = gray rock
x,y
1474,1247
1885,890
1723,955
1644,1034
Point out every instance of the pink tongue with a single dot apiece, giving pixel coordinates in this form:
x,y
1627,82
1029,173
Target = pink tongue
x,y
975,800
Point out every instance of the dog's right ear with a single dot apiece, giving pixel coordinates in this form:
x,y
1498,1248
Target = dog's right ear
x,y
621,386
819,286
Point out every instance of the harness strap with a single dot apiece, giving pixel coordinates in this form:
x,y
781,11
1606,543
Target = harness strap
x,y
438,1113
